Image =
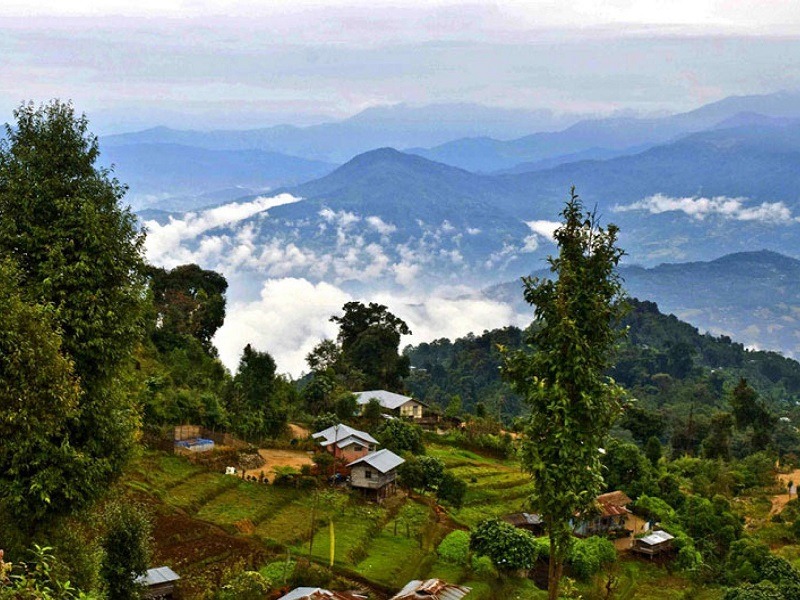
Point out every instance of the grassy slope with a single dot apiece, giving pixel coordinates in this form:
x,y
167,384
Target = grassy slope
x,y
386,545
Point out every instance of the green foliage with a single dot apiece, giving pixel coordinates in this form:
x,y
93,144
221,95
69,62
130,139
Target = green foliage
x,y
587,556
188,301
39,397
753,563
451,490
509,548
573,404
243,585
400,436
372,413
421,473
79,251
454,547
626,468
749,411
369,337
255,403
323,421
38,579
653,450
126,546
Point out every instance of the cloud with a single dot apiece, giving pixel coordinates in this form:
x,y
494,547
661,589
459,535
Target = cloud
x,y
292,315
775,213
380,226
546,229
164,242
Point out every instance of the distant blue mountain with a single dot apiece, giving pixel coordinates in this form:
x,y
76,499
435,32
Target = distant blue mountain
x,y
399,126
157,171
600,138
753,297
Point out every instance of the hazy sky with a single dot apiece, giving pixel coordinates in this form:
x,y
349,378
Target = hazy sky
x,y
247,63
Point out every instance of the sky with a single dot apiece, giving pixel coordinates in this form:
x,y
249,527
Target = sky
x,y
244,64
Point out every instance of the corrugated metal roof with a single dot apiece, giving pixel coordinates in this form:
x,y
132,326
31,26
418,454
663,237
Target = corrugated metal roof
x,y
337,433
388,400
311,593
382,460
655,538
521,519
431,589
158,576
617,498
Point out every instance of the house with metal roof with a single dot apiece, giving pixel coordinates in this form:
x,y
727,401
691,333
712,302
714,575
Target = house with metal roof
x,y
312,593
158,583
654,543
376,473
528,521
394,404
345,442
431,589
609,515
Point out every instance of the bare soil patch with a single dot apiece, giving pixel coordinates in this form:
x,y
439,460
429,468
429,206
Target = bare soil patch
x,y
280,458
780,500
298,432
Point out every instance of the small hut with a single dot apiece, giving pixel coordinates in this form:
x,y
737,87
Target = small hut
x,y
159,583
431,589
657,542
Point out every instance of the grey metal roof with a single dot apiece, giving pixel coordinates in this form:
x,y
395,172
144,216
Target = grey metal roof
x,y
657,537
351,439
312,593
431,589
388,400
337,433
158,576
382,460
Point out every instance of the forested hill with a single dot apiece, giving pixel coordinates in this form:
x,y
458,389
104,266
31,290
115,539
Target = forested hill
x,y
666,364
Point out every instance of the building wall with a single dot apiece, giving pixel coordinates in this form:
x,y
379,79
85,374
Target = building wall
x,y
359,479
411,409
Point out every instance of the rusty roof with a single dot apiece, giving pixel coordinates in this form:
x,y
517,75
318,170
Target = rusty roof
x,y
431,589
312,593
616,498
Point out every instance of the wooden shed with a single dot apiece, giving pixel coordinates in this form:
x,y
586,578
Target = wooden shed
x,y
159,583
653,544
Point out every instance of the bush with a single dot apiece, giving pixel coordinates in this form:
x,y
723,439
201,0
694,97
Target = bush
x,y
451,490
244,585
508,548
455,548
482,567
587,557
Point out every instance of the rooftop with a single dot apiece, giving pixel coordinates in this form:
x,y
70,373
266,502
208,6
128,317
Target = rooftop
x,y
312,593
337,433
382,460
158,576
655,538
388,400
616,498
431,589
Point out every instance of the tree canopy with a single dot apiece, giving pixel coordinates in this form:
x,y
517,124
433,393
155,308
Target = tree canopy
x,y
573,403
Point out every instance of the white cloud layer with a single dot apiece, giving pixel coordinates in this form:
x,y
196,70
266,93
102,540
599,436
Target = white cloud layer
x,y
775,213
165,243
292,316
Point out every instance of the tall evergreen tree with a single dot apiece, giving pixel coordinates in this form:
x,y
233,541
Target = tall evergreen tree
x,y
573,403
78,250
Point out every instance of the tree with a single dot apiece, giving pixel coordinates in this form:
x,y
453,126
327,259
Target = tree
x,y
718,441
254,401
39,397
126,546
373,412
750,411
509,548
80,252
401,436
653,450
369,337
451,490
573,403
189,301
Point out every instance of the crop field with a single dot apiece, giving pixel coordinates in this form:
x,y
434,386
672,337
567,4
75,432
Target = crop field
x,y
386,544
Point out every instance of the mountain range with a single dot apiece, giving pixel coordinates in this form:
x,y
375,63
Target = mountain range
x,y
752,297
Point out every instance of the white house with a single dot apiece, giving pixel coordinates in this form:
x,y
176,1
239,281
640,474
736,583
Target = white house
x,y
395,404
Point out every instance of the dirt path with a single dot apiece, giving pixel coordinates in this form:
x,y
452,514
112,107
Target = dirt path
x,y
298,432
780,500
280,458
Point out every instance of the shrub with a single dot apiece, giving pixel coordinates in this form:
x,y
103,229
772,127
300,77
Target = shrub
x,y
455,548
508,548
587,557
244,585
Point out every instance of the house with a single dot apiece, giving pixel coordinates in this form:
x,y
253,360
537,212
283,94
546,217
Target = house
x,y
431,589
654,544
375,473
158,583
312,593
528,521
345,442
610,515
395,404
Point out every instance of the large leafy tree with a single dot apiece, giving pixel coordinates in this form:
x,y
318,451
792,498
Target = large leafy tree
x,y
189,301
573,403
369,337
39,396
256,403
80,252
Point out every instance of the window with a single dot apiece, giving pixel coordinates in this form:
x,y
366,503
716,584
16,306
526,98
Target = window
x,y
367,474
